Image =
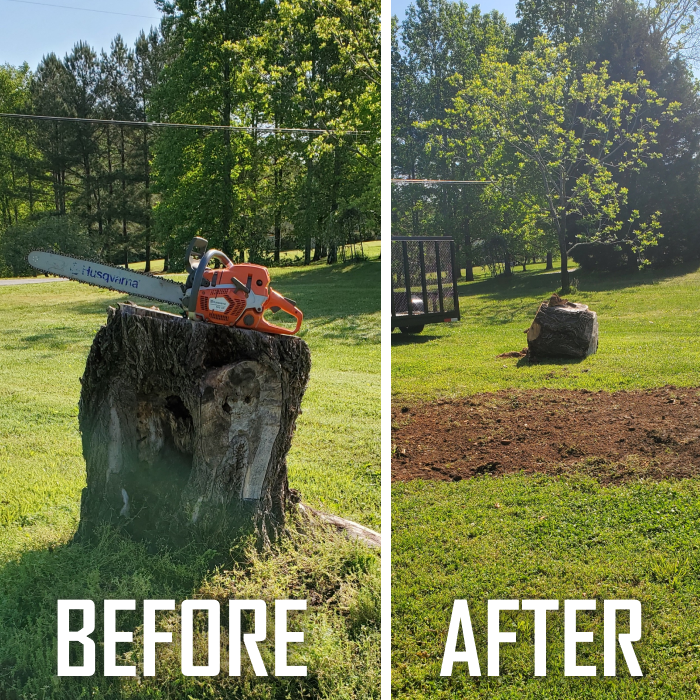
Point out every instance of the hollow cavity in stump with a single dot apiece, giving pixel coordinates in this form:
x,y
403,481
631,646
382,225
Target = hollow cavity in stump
x,y
186,427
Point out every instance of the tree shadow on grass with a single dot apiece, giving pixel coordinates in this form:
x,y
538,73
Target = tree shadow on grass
x,y
411,339
313,564
333,290
57,338
537,283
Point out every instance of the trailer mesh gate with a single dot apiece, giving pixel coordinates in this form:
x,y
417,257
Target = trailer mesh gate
x,y
423,281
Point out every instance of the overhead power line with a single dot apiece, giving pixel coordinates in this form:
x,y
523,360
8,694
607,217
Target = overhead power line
x,y
82,9
403,181
205,127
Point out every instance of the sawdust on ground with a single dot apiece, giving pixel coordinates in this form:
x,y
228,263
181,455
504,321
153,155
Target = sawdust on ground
x,y
615,437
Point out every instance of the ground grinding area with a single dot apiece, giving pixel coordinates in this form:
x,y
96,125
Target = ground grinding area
x,y
613,436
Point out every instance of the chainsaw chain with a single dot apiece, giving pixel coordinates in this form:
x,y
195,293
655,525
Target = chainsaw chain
x,y
100,286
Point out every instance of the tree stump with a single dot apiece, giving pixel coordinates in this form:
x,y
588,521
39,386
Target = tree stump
x,y
562,329
186,427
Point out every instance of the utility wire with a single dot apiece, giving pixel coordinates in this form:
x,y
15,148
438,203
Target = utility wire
x,y
205,127
401,181
83,9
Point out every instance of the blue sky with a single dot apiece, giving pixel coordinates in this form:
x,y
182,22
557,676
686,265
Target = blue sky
x,y
29,31
507,7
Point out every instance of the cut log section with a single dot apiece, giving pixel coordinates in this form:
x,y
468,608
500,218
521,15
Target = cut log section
x,y
186,427
562,329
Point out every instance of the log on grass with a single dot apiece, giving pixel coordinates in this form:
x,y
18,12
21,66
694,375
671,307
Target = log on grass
x,y
562,329
186,427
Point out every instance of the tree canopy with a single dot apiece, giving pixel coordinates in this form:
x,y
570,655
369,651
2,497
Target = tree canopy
x,y
267,68
582,117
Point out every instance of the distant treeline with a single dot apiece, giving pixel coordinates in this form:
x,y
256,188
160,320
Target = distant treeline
x,y
130,193
585,115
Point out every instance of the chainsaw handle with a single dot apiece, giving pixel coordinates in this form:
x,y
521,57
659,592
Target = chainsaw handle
x,y
199,273
197,247
276,299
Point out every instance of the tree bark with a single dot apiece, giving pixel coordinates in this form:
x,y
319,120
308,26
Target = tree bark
x,y
564,267
562,329
147,195
278,234
468,264
186,427
125,230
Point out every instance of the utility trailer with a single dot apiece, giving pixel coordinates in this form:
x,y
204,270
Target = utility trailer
x,y
423,284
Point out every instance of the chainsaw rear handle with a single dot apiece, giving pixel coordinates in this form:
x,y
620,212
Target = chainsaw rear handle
x,y
277,302
197,247
202,266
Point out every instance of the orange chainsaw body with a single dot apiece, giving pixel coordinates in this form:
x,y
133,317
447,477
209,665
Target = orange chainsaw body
x,y
221,299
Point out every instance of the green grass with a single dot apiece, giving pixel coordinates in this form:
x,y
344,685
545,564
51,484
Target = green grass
x,y
547,537
647,325
287,257
369,248
550,538
334,462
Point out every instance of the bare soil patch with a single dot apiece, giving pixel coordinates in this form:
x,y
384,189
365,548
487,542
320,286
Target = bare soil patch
x,y
615,437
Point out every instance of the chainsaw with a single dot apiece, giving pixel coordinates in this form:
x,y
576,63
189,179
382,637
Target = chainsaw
x,y
232,295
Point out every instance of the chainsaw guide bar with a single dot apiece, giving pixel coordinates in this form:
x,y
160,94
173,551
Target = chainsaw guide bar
x,y
88,275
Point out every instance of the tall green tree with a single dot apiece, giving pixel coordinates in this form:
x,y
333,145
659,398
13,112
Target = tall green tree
x,y
48,91
203,177
19,189
578,131
146,67
260,70
438,44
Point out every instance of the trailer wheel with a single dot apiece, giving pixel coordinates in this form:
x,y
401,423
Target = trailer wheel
x,y
411,329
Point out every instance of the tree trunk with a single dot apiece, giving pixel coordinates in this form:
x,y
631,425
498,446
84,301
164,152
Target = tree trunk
x,y
186,427
147,194
278,234
332,252
564,268
125,231
550,264
227,212
468,264
562,329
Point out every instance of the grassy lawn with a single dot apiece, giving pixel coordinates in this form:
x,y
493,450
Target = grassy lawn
x,y
334,462
647,324
546,536
287,257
